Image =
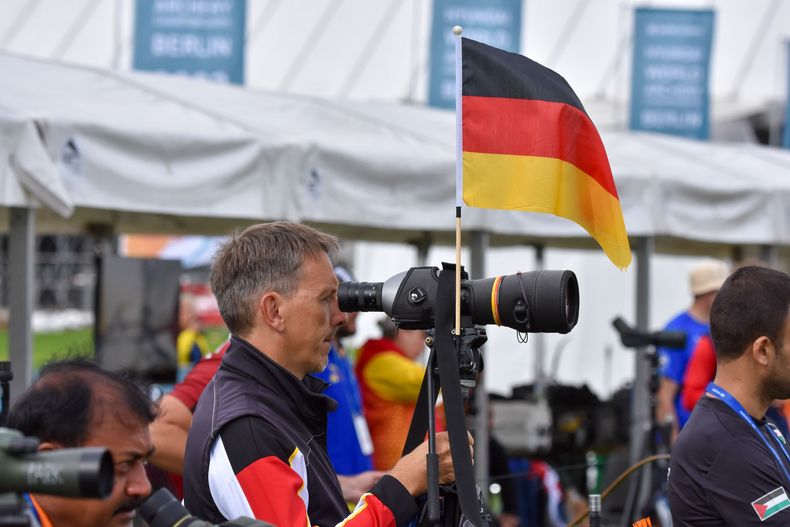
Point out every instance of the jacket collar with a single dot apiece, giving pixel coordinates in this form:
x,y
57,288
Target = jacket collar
x,y
304,396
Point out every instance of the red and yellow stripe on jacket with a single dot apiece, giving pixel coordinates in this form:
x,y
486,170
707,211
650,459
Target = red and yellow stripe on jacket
x,y
529,145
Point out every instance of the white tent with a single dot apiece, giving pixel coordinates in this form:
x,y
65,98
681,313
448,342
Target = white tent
x,y
148,153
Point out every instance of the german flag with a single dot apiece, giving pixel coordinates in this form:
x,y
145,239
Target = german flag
x,y
528,144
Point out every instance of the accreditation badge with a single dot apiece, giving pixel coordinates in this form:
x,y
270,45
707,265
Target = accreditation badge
x,y
772,503
363,435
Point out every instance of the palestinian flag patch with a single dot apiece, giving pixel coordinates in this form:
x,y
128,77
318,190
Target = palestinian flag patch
x,y
772,503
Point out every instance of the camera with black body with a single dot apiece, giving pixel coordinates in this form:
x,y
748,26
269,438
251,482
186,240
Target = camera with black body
x,y
419,298
70,472
532,302
162,509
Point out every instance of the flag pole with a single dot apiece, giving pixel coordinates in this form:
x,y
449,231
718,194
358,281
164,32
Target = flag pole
x,y
459,170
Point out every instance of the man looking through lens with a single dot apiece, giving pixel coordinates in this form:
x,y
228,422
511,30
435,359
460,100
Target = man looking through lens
x,y
348,438
77,404
257,442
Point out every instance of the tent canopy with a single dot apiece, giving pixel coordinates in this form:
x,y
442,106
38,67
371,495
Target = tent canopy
x,y
152,153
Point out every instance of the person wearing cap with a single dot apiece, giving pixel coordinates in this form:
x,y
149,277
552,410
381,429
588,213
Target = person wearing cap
x,y
390,378
704,280
730,466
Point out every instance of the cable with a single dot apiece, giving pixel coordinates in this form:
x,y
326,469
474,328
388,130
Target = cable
x,y
74,30
265,16
620,479
310,44
566,32
757,39
367,51
19,22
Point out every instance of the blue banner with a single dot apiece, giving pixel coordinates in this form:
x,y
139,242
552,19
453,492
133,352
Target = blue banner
x,y
786,140
199,38
671,65
493,22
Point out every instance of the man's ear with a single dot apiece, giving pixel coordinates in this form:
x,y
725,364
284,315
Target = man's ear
x,y
48,445
763,351
270,309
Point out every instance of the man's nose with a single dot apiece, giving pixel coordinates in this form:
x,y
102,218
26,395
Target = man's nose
x,y
340,318
138,485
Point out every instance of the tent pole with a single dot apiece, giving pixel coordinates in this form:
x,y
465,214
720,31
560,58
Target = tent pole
x,y
640,401
479,246
423,246
21,264
770,255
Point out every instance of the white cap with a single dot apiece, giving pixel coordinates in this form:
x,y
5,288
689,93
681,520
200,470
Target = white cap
x,y
708,277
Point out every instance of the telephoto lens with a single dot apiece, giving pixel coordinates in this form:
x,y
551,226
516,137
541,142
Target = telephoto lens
x,y
70,472
162,509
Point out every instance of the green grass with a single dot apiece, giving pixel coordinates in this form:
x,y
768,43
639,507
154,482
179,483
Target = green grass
x,y
79,342
46,346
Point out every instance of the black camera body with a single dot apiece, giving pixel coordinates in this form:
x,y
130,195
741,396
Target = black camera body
x,y
421,298
533,302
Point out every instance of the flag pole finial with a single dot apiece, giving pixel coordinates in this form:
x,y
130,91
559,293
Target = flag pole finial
x,y
457,30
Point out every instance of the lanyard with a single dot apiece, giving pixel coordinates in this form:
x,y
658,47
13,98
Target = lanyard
x,y
35,510
724,396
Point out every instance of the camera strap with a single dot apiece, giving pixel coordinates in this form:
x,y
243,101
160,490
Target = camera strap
x,y
446,357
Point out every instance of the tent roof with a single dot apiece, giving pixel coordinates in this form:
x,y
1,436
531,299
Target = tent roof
x,y
148,153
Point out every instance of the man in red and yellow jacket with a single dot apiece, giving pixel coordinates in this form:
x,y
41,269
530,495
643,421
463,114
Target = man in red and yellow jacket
x,y
389,379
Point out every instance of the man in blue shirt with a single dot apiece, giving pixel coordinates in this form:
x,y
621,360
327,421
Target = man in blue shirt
x,y
730,467
704,280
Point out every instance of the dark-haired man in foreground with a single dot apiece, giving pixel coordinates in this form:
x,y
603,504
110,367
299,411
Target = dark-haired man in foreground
x,y
257,445
77,404
729,466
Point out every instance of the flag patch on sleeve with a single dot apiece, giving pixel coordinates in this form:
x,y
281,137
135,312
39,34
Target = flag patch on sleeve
x,y
772,503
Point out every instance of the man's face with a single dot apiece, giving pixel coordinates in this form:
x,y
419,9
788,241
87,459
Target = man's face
x,y
130,445
312,317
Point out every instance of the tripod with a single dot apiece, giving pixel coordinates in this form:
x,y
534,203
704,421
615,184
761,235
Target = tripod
x,y
639,491
453,365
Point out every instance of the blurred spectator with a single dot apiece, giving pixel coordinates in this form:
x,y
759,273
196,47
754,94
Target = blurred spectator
x,y
701,368
704,280
499,473
390,378
700,371
191,345
75,403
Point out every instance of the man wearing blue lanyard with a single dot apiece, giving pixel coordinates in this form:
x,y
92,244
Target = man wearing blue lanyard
x,y
729,465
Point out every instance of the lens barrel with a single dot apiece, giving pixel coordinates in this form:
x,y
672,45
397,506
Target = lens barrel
x,y
70,472
162,509
360,296
534,302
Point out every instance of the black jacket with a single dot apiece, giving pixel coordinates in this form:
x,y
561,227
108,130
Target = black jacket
x,y
272,428
250,384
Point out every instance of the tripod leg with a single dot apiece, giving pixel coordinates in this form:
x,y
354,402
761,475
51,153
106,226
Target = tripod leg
x,y
432,459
